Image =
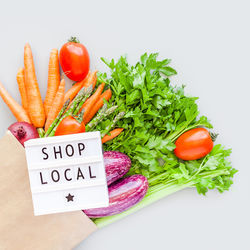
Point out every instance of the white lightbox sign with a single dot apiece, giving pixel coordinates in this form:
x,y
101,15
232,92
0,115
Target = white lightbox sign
x,y
67,173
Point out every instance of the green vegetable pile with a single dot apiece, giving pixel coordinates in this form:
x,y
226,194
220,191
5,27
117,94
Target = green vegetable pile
x,y
156,114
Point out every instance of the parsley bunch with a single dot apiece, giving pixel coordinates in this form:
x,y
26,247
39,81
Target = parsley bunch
x,y
156,114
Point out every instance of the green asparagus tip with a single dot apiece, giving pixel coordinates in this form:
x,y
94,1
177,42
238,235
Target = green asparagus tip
x,y
111,110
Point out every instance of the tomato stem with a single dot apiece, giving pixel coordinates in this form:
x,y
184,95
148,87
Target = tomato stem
x,y
74,39
213,136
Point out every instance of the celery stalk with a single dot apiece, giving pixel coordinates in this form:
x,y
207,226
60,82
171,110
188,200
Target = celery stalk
x,y
154,194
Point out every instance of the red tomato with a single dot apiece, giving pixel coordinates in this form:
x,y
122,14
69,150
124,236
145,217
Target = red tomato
x,y
193,144
69,125
74,60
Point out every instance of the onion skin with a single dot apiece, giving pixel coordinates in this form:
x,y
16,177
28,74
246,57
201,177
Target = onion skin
x,y
23,131
116,165
123,194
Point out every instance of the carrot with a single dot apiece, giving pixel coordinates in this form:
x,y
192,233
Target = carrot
x,y
114,133
18,111
92,80
35,108
56,105
21,86
53,80
72,92
90,102
106,95
89,79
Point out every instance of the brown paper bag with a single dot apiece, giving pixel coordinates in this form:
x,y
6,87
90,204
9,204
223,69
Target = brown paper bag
x,y
19,228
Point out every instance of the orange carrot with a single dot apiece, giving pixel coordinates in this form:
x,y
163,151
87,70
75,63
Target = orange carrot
x,y
72,92
89,79
92,80
53,80
90,102
114,133
106,95
18,111
56,105
21,86
35,108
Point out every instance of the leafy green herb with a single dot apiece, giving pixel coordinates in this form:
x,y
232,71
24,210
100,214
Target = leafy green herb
x,y
156,114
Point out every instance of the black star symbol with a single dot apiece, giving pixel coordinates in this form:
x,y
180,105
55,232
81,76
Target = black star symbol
x,y
69,197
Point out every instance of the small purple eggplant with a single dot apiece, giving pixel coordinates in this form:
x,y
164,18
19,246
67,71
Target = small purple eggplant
x,y
123,194
116,165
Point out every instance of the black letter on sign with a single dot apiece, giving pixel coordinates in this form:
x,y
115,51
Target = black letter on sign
x,y
65,175
79,174
58,175
58,152
90,174
72,150
81,147
41,177
46,155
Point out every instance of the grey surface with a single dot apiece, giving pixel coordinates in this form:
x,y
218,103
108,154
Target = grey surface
x,y
209,44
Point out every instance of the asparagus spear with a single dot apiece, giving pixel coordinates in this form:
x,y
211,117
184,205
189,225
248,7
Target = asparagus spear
x,y
79,117
97,118
102,113
112,125
40,132
84,98
75,102
65,105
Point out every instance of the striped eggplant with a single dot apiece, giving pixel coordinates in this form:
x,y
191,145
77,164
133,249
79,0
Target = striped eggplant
x,y
116,165
123,194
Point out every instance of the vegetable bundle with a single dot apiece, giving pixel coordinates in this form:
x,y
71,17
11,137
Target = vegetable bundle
x,y
156,142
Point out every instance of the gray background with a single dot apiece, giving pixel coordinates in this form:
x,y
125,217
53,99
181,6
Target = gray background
x,y
209,44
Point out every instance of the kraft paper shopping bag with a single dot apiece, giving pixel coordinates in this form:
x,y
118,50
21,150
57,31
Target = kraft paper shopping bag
x,y
19,228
